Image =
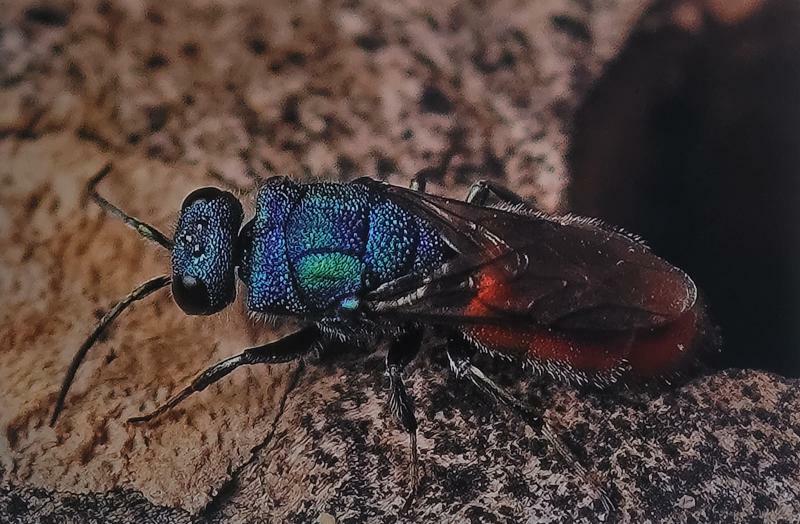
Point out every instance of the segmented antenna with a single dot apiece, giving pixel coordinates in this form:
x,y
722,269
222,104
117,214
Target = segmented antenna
x,y
146,230
151,286
148,288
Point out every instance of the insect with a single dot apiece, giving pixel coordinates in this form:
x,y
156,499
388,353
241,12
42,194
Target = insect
x,y
570,297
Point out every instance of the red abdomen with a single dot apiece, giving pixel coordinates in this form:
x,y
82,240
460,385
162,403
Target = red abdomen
x,y
643,352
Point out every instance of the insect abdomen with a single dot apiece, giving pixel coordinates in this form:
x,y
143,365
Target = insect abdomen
x,y
582,355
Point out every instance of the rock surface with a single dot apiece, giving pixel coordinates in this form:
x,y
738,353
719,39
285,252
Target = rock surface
x,y
170,94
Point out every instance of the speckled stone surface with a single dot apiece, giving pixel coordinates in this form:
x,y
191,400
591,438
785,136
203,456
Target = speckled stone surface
x,y
180,97
336,89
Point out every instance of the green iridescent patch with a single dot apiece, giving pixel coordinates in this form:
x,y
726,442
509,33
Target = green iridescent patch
x,y
325,277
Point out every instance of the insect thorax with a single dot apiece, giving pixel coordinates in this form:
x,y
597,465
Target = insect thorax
x,y
316,248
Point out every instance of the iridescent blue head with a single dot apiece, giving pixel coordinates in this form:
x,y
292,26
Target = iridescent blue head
x,y
204,256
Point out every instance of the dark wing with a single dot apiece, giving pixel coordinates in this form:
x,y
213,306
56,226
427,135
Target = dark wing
x,y
522,266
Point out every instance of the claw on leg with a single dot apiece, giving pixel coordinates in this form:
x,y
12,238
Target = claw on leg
x,y
415,478
163,408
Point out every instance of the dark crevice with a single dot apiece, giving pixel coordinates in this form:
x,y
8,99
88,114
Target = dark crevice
x,y
690,140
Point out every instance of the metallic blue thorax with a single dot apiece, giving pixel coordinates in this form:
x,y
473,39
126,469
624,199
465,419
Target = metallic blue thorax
x,y
313,248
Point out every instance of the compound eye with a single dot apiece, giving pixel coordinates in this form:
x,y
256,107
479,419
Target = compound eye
x,y
202,195
191,295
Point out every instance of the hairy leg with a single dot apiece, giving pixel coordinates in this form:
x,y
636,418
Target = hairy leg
x,y
401,352
458,355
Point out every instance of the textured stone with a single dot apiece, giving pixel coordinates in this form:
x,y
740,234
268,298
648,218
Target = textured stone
x,y
169,92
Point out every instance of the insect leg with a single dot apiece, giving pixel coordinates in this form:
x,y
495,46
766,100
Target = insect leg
x,y
146,230
401,352
418,183
463,368
481,190
286,349
137,294
420,179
